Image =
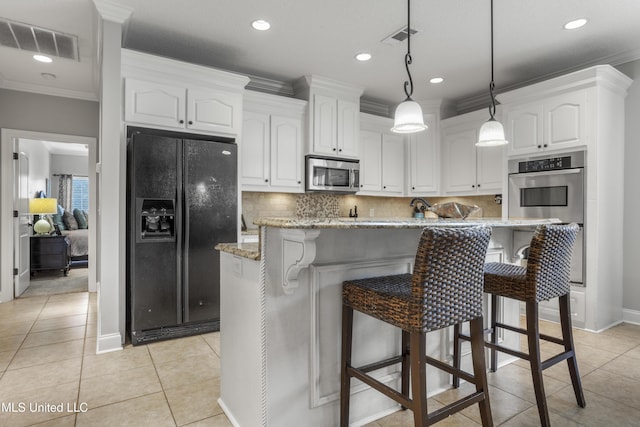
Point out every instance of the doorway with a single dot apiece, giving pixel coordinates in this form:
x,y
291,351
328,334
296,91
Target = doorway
x,y
10,142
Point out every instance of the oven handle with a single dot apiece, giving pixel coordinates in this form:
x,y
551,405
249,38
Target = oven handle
x,y
546,173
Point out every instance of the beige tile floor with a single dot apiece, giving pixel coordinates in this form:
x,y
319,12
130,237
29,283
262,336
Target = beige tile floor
x,y
51,376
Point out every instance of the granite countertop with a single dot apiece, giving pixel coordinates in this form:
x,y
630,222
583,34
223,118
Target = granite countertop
x,y
391,223
252,250
245,250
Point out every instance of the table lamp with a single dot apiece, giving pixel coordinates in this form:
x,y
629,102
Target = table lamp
x,y
42,206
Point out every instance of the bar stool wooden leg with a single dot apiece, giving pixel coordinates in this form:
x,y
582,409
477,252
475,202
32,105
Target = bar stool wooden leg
x,y
480,369
405,364
419,378
345,379
567,337
494,332
533,336
456,353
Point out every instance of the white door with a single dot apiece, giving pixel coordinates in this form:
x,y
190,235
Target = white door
x,y
22,232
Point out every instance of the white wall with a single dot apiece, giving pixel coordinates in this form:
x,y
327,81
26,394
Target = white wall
x,y
631,244
39,165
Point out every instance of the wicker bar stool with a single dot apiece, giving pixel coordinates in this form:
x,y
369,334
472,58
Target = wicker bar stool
x,y
546,276
444,289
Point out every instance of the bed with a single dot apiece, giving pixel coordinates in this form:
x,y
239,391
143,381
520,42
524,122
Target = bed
x,y
79,241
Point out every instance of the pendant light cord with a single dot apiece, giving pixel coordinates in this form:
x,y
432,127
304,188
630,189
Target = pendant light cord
x,y
407,57
492,107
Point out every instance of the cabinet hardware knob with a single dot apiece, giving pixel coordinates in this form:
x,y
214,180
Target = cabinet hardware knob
x,y
361,185
334,149
190,122
539,146
384,186
340,149
473,186
266,180
545,145
299,182
478,185
181,121
413,188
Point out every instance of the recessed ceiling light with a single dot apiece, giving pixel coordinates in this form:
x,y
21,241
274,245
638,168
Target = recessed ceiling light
x,y
260,25
576,23
363,56
42,58
48,76
436,80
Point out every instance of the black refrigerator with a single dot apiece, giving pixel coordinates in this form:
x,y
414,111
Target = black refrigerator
x,y
181,201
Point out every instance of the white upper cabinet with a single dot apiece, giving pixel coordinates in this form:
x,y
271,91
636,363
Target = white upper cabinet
x,y
169,94
382,158
424,160
555,123
334,117
467,169
271,148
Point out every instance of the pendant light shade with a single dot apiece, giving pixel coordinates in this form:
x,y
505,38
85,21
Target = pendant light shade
x,y
491,133
408,117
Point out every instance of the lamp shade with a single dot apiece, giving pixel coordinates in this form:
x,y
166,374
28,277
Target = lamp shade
x,y
491,134
408,118
41,206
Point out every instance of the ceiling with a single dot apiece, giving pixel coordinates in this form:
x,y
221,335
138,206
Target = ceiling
x,y
322,38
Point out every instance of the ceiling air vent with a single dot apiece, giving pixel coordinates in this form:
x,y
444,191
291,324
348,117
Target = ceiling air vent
x,y
40,40
399,36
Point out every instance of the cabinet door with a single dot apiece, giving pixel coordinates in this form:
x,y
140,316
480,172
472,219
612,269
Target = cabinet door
x,y
424,161
154,103
370,161
325,131
255,149
348,128
460,161
213,111
286,152
489,169
565,121
524,129
392,164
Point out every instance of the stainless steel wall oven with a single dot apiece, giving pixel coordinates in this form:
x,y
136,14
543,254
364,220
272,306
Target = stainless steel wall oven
x,y
550,187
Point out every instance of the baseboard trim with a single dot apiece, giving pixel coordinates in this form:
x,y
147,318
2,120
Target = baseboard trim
x,y
108,343
631,316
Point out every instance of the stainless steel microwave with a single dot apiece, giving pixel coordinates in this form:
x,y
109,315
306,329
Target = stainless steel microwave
x,y
332,175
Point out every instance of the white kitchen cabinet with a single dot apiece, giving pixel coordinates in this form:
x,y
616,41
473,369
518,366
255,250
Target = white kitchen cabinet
x,y
467,169
370,161
583,110
554,123
382,158
334,116
272,144
424,160
182,108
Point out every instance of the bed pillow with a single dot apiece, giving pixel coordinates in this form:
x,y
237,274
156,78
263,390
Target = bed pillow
x,y
57,220
69,221
80,219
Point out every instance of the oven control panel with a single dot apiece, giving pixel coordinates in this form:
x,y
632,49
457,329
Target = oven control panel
x,y
539,165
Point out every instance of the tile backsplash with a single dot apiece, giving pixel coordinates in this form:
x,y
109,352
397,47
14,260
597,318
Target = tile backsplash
x,y
309,205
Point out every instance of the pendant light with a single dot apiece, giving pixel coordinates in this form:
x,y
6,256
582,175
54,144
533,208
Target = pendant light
x,y
491,133
408,117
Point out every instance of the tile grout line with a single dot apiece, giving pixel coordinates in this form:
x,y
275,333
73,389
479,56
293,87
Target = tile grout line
x,y
84,345
164,393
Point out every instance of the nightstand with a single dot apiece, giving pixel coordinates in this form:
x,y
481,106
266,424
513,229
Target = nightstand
x,y
50,253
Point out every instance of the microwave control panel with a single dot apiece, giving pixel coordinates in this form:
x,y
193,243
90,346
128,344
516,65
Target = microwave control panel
x,y
552,163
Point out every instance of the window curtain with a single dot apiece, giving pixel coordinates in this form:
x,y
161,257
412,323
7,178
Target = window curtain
x,y
65,191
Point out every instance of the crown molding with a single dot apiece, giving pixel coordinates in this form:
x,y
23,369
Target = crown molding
x,y
47,90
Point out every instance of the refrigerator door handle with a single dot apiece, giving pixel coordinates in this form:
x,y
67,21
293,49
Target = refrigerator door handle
x,y
184,248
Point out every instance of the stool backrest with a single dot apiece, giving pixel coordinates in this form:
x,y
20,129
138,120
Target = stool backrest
x,y
448,277
549,263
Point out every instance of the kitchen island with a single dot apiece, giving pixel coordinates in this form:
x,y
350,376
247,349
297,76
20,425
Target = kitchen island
x,y
280,316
